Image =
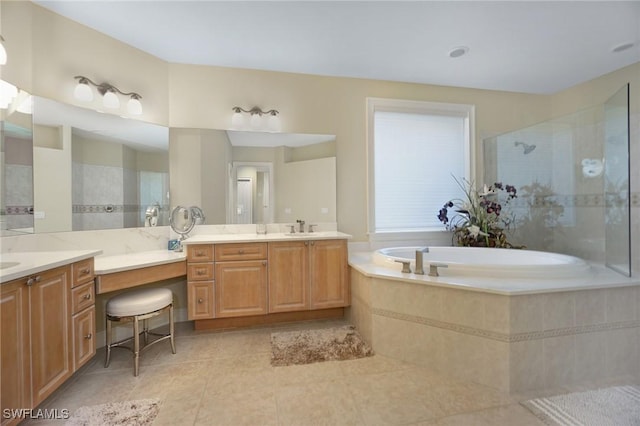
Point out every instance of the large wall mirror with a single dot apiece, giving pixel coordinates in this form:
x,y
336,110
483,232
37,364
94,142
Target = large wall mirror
x,y
71,169
244,177
97,171
16,162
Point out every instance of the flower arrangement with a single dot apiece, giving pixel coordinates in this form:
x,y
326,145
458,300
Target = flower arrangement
x,y
480,221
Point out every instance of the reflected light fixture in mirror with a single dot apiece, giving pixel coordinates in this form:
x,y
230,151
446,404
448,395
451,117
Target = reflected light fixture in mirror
x,y
8,92
258,120
3,52
109,92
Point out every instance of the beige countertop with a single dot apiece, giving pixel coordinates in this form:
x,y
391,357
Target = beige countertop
x,y
252,238
22,264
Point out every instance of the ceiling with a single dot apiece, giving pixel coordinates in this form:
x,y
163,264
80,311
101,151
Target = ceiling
x,y
521,46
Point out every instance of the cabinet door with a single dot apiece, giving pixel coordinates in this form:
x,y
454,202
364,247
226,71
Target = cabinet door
x,y
288,276
200,300
329,274
51,362
15,374
84,340
241,288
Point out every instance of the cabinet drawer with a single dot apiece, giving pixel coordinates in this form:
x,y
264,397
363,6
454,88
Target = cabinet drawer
x,y
200,253
241,251
200,300
84,341
200,271
82,272
82,297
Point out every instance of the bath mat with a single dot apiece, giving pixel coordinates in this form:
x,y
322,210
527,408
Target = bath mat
x,y
615,406
309,346
129,413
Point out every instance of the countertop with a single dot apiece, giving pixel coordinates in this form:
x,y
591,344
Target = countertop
x,y
144,259
251,238
29,263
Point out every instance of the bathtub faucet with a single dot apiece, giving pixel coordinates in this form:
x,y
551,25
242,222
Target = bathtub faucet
x,y
419,261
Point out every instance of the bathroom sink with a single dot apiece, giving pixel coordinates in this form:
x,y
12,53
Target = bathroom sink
x,y
297,234
5,265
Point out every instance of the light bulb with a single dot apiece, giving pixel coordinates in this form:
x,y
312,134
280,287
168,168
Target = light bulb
x,y
110,100
237,121
134,106
274,123
83,92
256,121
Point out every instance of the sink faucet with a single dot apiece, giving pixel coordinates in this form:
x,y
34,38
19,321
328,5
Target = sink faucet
x,y
301,222
419,261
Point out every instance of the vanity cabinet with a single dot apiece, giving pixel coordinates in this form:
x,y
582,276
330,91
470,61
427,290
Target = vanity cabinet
x,y
46,334
83,312
307,275
241,279
51,349
329,274
15,348
200,282
289,276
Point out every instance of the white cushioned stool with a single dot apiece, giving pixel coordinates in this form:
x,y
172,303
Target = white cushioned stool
x,y
134,306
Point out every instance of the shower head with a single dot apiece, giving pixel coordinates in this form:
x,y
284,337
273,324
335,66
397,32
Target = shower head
x,y
527,148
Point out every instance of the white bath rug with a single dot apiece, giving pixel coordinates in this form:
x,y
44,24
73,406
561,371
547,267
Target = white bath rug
x,y
129,413
615,406
308,346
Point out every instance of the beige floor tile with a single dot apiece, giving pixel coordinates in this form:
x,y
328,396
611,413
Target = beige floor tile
x,y
327,403
371,365
237,408
509,415
307,374
174,412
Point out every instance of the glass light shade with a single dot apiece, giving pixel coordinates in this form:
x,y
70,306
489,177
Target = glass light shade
x,y
256,121
110,100
7,93
134,106
274,123
237,121
83,92
3,55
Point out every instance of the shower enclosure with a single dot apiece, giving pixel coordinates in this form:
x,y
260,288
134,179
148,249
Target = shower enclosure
x,y
572,177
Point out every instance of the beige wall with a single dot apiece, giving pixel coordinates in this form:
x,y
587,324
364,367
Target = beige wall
x,y
201,97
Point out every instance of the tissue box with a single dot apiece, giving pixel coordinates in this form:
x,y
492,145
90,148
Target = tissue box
x,y
174,244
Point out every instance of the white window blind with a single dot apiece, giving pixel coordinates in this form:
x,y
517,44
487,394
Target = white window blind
x,y
416,156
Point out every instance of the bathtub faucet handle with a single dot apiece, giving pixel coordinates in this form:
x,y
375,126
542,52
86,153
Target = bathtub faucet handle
x,y
405,266
433,269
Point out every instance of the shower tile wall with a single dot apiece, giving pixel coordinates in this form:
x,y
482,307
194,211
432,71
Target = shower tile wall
x,y
96,190
18,187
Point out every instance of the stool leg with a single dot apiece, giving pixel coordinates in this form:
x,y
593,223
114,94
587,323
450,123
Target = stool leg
x,y
136,346
145,331
108,358
171,330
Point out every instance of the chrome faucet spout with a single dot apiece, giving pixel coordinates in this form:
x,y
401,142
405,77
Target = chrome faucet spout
x,y
301,223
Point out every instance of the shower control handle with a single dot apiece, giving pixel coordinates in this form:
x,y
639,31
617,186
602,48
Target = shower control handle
x,y
433,269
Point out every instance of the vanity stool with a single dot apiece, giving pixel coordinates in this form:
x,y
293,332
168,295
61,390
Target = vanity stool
x,y
134,306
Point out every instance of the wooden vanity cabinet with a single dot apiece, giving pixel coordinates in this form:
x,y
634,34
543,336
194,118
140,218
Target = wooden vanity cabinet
x,y
307,275
15,348
83,310
47,332
329,274
200,282
241,279
289,276
51,347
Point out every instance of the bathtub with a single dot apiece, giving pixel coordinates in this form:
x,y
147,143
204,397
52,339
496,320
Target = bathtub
x,y
483,262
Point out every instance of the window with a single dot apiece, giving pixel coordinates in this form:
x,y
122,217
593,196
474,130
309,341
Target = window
x,y
415,151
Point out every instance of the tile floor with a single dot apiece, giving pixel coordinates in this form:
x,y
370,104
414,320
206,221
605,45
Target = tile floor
x,y
225,378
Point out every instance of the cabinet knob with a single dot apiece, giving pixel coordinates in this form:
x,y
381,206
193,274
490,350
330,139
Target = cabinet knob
x,y
313,243
85,270
32,280
306,243
264,263
87,296
199,253
88,336
200,272
241,251
200,300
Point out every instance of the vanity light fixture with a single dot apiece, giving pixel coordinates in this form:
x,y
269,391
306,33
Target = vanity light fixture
x,y
3,52
270,123
109,92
